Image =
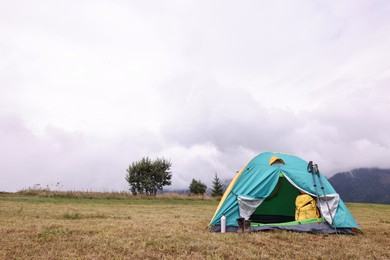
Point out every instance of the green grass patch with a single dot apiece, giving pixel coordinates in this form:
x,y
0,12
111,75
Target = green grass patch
x,y
71,215
50,233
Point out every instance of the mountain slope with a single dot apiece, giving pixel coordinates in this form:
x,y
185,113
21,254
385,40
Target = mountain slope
x,y
369,185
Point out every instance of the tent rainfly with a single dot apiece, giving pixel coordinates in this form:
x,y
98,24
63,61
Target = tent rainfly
x,y
264,193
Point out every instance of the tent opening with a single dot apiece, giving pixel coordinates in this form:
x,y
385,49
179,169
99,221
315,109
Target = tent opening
x,y
279,206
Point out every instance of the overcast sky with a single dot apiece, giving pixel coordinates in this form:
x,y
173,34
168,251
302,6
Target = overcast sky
x,y
87,87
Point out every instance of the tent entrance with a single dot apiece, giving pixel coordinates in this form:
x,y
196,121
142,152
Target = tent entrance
x,y
279,206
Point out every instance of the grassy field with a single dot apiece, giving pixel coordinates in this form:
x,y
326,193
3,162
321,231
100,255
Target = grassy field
x,y
124,227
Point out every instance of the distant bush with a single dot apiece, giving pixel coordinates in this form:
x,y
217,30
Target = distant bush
x,y
197,187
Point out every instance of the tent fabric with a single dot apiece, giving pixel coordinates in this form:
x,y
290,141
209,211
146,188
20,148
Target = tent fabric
x,y
331,201
258,182
247,206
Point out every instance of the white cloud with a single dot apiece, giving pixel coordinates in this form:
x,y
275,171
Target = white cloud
x,y
88,87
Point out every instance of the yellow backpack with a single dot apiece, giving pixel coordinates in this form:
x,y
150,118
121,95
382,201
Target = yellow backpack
x,y
306,208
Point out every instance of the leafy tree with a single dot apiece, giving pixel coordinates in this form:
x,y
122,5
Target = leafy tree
x,y
217,189
147,176
197,187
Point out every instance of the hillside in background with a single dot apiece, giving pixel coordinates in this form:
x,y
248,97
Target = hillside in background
x,y
369,185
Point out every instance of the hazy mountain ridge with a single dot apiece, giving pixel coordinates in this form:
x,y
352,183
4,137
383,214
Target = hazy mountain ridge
x,y
368,185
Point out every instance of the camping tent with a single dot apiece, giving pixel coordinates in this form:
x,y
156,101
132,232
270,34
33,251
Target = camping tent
x,y
265,190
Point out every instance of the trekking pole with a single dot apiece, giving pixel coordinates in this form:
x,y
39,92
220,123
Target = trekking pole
x,y
310,169
323,191
313,168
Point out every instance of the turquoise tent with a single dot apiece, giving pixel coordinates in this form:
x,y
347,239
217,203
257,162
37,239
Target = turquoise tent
x,y
264,192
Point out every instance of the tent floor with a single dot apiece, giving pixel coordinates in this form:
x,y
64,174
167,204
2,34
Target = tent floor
x,y
314,226
290,223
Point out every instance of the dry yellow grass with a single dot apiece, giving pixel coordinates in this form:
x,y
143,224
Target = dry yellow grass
x,y
61,228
